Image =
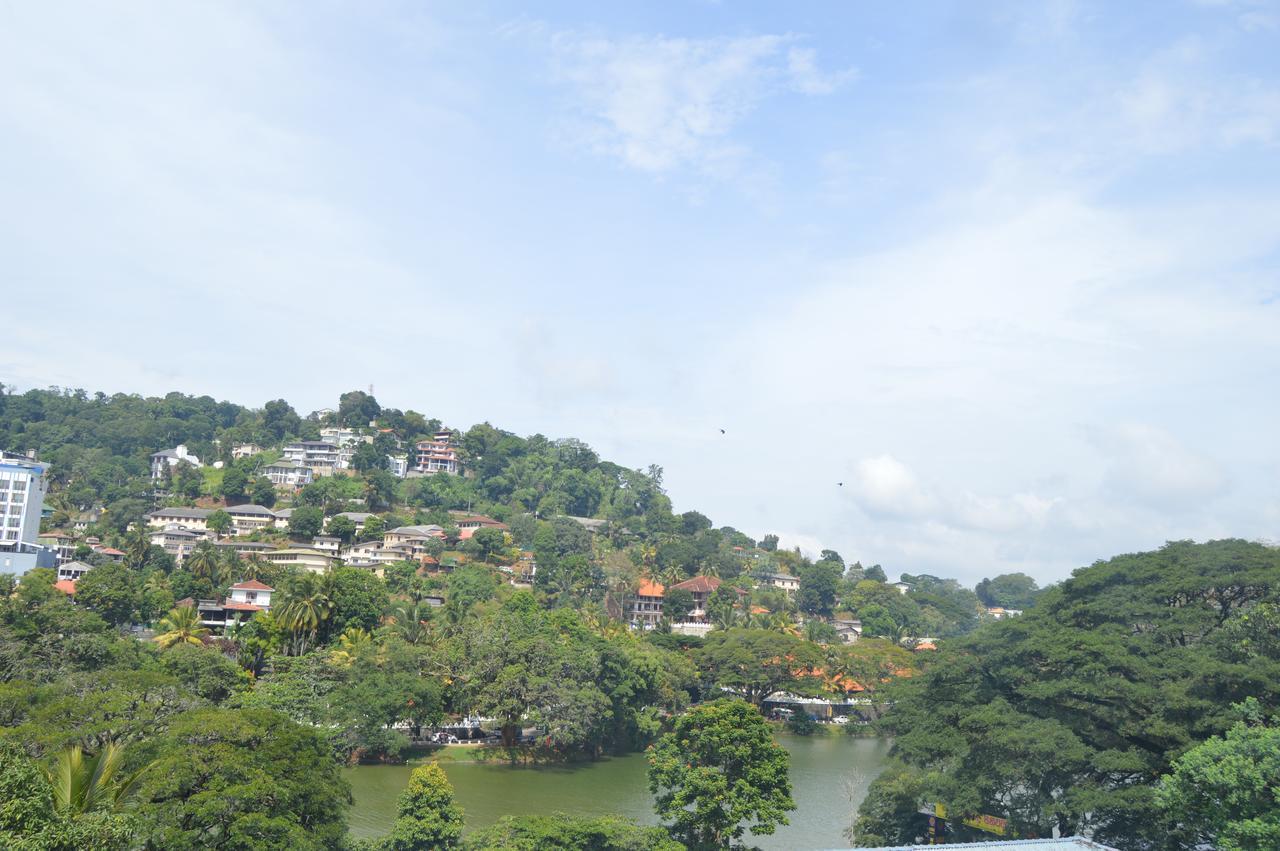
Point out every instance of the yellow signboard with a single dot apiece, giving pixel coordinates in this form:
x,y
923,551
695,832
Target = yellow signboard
x,y
989,824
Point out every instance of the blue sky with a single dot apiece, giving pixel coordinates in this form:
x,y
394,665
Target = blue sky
x,y
1007,271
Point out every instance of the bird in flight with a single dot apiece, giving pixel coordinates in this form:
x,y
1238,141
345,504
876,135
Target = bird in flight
x,y
722,431
841,484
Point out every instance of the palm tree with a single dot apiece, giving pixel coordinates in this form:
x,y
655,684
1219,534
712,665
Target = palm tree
x,y
305,611
137,547
181,626
83,784
63,509
672,576
410,622
710,570
353,642
203,561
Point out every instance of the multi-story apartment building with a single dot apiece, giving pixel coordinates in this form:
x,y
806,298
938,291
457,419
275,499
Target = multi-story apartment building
x,y
320,455
23,481
646,606
287,474
438,455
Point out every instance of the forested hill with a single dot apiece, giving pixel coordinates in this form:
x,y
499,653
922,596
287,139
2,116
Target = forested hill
x,y
99,447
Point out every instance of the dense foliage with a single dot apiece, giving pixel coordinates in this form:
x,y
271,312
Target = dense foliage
x,y
719,773
1066,718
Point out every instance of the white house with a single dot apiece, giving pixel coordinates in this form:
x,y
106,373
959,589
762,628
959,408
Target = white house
x,y
287,474
73,570
167,459
252,592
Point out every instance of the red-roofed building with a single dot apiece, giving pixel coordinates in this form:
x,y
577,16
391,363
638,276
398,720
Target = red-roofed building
x,y
247,598
66,586
701,587
646,608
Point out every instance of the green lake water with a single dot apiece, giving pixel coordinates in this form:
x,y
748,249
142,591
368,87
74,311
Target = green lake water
x,y
829,777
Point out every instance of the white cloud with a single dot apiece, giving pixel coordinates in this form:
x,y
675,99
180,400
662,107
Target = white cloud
x,y
884,486
1151,466
662,103
807,78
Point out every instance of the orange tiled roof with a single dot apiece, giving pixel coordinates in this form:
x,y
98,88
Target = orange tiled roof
x,y
66,586
649,588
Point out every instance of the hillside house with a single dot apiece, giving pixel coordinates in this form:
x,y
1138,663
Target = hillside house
x,y
438,455
195,519
646,606
320,456
250,518
177,541
167,460
302,558
73,570
287,474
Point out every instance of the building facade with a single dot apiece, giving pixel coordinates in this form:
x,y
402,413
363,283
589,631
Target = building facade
x,y
23,482
438,455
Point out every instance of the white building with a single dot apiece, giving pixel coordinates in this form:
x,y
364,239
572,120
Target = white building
x,y
245,450
23,481
168,459
73,570
399,466
287,474
438,455
321,456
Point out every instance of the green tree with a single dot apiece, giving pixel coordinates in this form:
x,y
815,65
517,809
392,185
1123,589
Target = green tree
x,y
203,561
263,492
560,832
367,458
1008,591
204,671
306,522
219,522
234,484
279,421
1066,718
357,408
373,528
1225,792
769,543
756,662
719,773
676,604
181,626
111,590
818,586
428,817
358,599
342,527
242,780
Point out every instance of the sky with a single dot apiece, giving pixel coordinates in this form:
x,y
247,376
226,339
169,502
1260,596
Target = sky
x,y
971,287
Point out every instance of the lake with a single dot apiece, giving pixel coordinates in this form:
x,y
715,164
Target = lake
x,y
829,777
